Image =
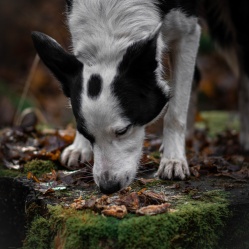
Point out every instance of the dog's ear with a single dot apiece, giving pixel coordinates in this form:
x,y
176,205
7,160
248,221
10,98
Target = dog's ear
x,y
65,67
141,57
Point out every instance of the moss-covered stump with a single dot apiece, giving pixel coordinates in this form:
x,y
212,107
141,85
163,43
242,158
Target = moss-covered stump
x,y
39,167
204,213
15,194
192,224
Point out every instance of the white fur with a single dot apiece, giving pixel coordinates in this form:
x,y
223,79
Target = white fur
x,y
182,33
78,152
118,156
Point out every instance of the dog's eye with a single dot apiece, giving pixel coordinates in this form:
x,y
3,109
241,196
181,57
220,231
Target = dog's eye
x,y
122,131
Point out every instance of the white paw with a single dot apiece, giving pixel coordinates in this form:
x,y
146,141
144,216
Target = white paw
x,y
173,169
78,152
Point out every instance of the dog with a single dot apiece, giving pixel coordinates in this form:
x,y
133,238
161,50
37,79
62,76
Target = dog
x,y
116,83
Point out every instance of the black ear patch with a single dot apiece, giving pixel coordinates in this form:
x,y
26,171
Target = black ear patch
x,y
94,86
69,5
189,7
136,87
65,67
140,59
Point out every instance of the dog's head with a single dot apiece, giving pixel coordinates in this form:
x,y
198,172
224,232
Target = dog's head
x,y
111,104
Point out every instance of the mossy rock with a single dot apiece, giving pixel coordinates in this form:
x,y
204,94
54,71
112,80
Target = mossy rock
x,y
39,167
192,224
4,172
36,167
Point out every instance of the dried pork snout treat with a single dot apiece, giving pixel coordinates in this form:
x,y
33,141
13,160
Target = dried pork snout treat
x,y
153,209
115,211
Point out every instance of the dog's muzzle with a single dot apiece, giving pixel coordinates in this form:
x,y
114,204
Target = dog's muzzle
x,y
109,187
109,184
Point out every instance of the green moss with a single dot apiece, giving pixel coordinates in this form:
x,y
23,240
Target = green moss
x,y
39,236
194,224
39,167
6,90
34,210
136,185
206,44
218,121
4,172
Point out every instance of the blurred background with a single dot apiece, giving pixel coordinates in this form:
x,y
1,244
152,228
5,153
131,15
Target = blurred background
x,y
17,60
19,66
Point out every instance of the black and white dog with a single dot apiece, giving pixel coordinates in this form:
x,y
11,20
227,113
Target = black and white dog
x,y
116,84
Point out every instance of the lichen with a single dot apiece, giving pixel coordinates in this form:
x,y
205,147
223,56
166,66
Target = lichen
x,y
193,224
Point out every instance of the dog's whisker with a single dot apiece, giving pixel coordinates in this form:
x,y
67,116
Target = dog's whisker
x,y
145,172
89,166
83,177
148,163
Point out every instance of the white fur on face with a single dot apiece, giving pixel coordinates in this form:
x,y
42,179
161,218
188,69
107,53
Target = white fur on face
x,y
117,156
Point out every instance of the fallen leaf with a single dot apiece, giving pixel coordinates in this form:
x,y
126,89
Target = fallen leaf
x,y
145,181
131,201
31,176
154,198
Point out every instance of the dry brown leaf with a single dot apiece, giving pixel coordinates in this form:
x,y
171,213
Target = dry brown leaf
x,y
154,198
131,201
195,171
145,181
31,176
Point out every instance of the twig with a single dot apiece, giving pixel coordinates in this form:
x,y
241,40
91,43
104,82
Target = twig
x,y
26,87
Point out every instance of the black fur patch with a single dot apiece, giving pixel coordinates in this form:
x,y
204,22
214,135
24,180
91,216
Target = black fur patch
x,y
82,129
69,5
136,87
65,67
94,86
189,7
68,70
76,95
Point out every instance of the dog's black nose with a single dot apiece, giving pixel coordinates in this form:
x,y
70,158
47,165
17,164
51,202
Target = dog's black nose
x,y
109,187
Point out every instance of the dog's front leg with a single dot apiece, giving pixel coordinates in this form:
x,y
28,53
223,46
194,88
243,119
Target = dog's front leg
x,y
173,163
78,152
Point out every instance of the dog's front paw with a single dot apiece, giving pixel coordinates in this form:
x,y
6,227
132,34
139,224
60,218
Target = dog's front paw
x,y
173,169
78,152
